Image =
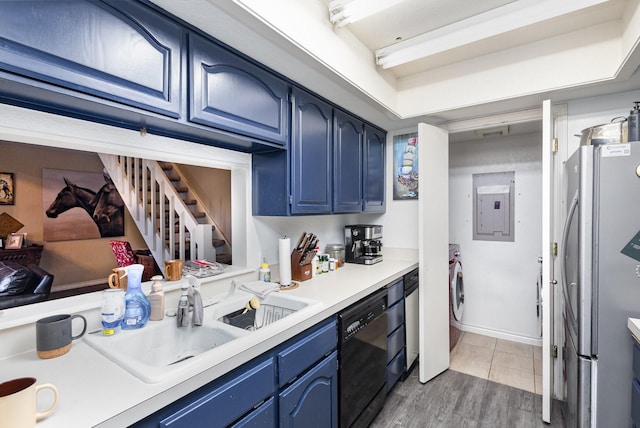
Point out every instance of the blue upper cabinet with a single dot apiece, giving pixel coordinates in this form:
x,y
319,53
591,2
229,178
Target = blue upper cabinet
x,y
374,161
233,94
125,53
347,163
311,154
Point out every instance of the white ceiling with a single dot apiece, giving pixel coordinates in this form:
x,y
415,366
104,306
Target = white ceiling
x,y
411,18
296,38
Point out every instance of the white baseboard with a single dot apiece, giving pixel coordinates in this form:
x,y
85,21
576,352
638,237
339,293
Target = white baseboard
x,y
535,341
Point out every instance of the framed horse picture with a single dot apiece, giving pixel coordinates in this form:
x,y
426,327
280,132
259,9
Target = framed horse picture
x,y
7,190
80,205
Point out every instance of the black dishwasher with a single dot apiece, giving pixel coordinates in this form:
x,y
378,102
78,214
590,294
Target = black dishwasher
x,y
363,360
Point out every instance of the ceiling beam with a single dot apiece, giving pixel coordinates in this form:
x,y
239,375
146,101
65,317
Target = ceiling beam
x,y
497,21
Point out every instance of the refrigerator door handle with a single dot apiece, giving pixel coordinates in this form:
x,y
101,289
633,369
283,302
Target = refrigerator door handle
x,y
565,238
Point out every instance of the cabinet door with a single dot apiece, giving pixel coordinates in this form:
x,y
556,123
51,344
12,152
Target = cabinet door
x,y
310,155
230,93
373,168
348,135
312,401
127,53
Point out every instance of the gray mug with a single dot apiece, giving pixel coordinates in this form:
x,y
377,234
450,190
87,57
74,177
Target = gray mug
x,y
54,336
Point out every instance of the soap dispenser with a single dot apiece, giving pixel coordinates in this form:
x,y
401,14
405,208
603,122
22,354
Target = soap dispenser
x,y
156,298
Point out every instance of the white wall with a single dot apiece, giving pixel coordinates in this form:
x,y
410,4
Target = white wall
x,y
499,277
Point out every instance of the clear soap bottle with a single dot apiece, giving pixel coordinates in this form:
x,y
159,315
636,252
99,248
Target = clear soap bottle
x,y
137,307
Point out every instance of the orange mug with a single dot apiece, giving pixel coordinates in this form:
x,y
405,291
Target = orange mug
x,y
173,269
118,279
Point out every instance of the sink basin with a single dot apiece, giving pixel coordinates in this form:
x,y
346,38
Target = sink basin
x,y
155,351
273,308
160,350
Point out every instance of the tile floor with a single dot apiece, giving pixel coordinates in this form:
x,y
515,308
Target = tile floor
x,y
501,361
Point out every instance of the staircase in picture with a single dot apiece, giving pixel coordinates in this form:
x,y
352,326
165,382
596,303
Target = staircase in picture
x,y
172,219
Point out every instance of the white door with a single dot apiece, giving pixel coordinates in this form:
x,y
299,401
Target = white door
x,y
433,250
547,258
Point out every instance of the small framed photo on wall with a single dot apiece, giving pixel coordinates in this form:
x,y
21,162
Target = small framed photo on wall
x,y
7,190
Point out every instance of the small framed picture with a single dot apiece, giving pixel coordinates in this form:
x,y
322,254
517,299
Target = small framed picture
x,y
15,240
7,192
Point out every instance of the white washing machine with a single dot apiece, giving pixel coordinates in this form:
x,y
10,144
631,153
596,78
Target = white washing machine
x,y
456,294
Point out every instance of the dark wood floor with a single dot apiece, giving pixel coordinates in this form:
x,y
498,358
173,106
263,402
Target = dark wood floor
x,y
458,400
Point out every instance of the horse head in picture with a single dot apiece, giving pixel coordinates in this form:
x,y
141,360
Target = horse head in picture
x,y
72,196
108,213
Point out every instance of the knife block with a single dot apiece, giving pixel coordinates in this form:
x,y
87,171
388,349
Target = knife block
x,y
299,272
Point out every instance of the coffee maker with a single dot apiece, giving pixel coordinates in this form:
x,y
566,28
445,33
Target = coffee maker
x,y
363,243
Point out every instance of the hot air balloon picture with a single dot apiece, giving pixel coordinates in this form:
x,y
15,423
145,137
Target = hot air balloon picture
x,y
405,162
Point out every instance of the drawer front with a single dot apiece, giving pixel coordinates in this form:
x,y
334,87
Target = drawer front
x,y
264,416
395,317
228,402
395,291
306,351
395,369
635,402
395,342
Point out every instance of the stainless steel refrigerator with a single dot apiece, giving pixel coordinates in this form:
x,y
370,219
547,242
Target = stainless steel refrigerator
x,y
601,284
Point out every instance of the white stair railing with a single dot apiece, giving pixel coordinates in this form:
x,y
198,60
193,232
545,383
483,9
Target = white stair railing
x,y
167,225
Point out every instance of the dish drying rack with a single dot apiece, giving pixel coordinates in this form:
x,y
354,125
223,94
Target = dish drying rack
x,y
255,319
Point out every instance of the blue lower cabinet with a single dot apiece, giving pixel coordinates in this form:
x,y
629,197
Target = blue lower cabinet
x,y
264,416
312,400
292,385
395,369
635,402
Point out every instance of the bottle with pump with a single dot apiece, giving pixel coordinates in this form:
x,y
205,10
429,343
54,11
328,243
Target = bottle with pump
x,y
633,123
137,307
156,298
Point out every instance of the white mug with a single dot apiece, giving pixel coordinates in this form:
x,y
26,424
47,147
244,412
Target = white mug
x,y
18,403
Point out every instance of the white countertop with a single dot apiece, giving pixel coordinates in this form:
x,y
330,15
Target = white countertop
x,y
634,326
93,391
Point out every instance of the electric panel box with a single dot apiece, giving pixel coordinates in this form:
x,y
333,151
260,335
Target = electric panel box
x,y
493,206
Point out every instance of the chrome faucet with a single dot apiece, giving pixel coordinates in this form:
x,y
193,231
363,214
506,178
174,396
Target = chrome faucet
x,y
190,301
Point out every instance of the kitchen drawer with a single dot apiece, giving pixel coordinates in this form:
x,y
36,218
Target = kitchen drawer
x,y
305,352
263,416
395,291
636,360
395,317
635,402
395,342
226,402
395,369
